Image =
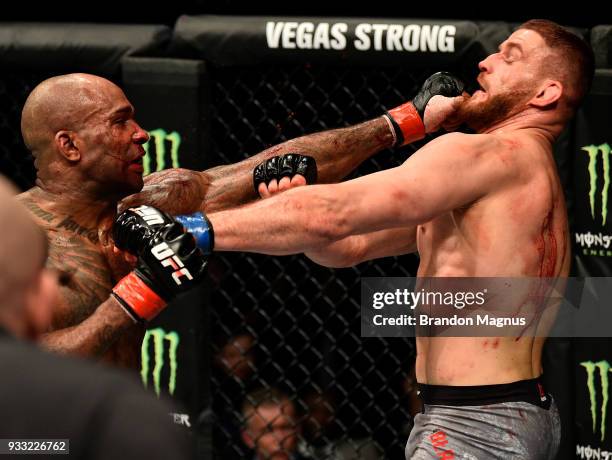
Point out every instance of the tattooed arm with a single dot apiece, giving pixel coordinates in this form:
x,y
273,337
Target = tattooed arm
x,y
86,321
93,336
338,152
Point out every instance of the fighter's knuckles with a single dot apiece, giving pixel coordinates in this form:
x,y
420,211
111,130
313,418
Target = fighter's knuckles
x,y
262,189
284,184
298,180
273,186
277,172
439,84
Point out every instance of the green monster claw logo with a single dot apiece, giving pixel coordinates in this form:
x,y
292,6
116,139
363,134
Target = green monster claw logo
x,y
593,151
159,138
604,370
160,338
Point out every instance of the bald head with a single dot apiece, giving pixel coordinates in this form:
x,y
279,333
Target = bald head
x,y
23,248
59,103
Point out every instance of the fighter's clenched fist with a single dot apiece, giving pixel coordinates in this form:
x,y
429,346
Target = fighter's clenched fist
x,y
437,99
169,262
280,173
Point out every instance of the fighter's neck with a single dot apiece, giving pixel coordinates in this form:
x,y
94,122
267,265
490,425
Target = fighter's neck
x,y
525,121
79,205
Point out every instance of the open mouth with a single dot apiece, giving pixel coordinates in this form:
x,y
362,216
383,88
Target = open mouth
x,y
480,87
136,165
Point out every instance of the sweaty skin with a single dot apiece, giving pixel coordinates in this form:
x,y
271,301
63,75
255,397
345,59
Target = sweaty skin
x,y
88,154
473,205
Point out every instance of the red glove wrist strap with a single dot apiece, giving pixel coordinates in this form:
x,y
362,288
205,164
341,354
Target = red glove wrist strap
x,y
140,298
409,122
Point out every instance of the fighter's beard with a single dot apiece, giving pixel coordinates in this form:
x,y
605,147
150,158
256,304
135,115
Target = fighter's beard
x,y
482,115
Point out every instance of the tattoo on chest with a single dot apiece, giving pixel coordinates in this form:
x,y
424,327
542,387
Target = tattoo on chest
x,y
39,212
69,224
86,280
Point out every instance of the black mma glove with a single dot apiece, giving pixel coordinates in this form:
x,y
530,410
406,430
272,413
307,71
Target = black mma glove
x,y
407,120
287,165
169,263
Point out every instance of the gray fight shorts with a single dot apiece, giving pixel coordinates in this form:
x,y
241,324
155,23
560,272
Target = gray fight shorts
x,y
509,421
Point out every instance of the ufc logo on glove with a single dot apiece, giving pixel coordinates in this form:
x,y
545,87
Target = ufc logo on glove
x,y
168,258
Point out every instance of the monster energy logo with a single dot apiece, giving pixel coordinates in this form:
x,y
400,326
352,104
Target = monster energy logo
x,y
160,139
604,369
593,151
160,339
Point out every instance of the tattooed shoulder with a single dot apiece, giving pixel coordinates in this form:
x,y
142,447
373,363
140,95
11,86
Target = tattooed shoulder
x,y
40,214
52,220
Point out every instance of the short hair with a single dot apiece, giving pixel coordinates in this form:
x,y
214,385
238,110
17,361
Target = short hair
x,y
577,61
263,397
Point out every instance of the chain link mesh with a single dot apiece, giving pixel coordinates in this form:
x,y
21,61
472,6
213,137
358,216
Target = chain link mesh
x,y
285,322
15,160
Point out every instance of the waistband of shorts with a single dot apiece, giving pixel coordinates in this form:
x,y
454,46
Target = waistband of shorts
x,y
530,391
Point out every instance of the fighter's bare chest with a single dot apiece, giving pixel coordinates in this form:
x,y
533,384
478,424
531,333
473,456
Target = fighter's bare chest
x,y
446,228
87,272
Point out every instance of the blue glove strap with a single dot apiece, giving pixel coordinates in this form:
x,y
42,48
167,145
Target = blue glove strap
x,y
199,226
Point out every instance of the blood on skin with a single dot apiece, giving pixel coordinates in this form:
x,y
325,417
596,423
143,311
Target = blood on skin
x,y
494,343
546,246
548,241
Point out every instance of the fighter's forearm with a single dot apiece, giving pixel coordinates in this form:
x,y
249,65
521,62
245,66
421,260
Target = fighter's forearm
x,y
338,152
295,221
94,335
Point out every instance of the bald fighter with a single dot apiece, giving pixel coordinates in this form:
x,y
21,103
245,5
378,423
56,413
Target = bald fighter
x,y
88,152
472,205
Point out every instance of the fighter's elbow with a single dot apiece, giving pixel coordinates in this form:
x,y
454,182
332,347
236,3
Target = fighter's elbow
x,y
328,225
341,254
327,229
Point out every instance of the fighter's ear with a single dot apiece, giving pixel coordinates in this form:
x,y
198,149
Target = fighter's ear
x,y
65,141
549,92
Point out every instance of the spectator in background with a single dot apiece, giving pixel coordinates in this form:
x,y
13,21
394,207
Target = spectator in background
x,y
237,357
235,368
324,438
270,427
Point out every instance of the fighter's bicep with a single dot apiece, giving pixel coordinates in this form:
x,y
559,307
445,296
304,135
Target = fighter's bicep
x,y
440,177
446,177
388,243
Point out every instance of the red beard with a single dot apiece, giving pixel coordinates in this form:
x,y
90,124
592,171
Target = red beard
x,y
482,115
